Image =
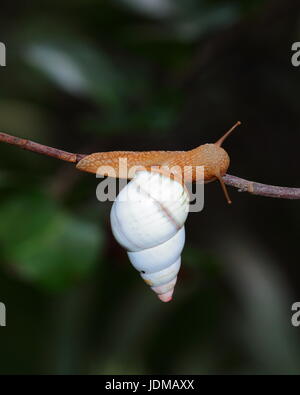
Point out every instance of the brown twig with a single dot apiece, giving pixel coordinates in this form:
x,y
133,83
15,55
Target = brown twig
x,y
40,149
252,187
256,188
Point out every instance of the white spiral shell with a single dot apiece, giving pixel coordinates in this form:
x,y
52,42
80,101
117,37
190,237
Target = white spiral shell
x,y
147,219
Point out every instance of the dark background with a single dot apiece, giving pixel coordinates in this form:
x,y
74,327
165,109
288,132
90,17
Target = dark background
x,y
88,76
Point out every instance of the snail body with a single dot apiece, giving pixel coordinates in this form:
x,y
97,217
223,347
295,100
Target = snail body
x,y
94,163
147,219
212,157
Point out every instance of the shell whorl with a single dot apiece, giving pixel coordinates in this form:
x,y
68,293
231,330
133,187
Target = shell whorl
x,y
147,219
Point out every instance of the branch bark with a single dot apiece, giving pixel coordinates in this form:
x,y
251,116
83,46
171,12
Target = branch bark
x,y
40,149
255,188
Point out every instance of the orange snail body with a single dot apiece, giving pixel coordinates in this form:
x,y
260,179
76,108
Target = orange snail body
x,y
212,157
97,162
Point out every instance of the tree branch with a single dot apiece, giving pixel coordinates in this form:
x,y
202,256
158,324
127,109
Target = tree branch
x,y
252,187
40,149
256,188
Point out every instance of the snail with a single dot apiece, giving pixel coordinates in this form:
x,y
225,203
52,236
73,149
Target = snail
x,y
148,215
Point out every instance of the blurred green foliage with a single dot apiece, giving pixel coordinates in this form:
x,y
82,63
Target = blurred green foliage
x,y
134,74
45,244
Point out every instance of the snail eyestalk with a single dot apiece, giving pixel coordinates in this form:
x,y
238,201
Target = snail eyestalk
x,y
223,138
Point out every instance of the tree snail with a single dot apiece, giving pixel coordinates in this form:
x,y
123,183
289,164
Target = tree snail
x,y
148,215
